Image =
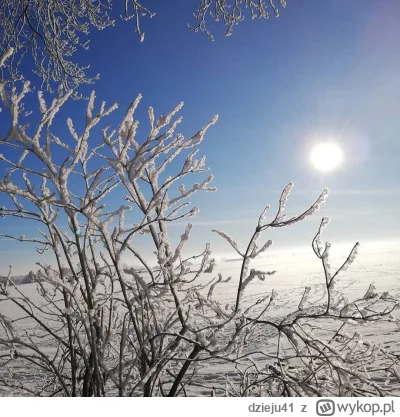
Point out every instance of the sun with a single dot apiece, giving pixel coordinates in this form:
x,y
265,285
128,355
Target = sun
x,y
326,156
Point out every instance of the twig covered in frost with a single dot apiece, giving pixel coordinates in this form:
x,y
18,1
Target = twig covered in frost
x,y
145,328
52,31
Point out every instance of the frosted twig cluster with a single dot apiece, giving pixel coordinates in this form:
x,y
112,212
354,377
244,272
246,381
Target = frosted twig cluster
x,y
106,319
53,30
232,12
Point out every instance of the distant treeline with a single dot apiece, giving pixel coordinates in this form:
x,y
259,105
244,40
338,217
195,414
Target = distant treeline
x,y
20,279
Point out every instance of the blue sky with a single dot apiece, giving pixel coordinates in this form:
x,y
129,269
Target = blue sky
x,y
321,70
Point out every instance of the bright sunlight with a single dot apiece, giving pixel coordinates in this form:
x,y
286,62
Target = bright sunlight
x,y
326,156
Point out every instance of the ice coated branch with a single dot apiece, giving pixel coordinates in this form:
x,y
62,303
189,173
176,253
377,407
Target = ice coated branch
x,y
147,327
54,30
232,13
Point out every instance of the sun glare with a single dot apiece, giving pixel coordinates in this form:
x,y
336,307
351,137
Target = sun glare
x,y
326,156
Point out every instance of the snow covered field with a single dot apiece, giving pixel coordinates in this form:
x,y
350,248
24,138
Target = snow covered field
x,y
378,264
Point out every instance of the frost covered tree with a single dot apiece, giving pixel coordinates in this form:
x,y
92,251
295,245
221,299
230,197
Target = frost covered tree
x,y
53,30
98,327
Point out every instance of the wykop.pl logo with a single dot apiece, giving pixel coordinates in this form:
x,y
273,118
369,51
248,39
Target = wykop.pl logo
x,y
325,408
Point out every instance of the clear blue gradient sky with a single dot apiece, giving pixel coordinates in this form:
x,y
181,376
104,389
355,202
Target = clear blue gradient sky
x,y
321,70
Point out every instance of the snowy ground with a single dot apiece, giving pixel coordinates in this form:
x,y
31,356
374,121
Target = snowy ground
x,y
375,264
378,264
